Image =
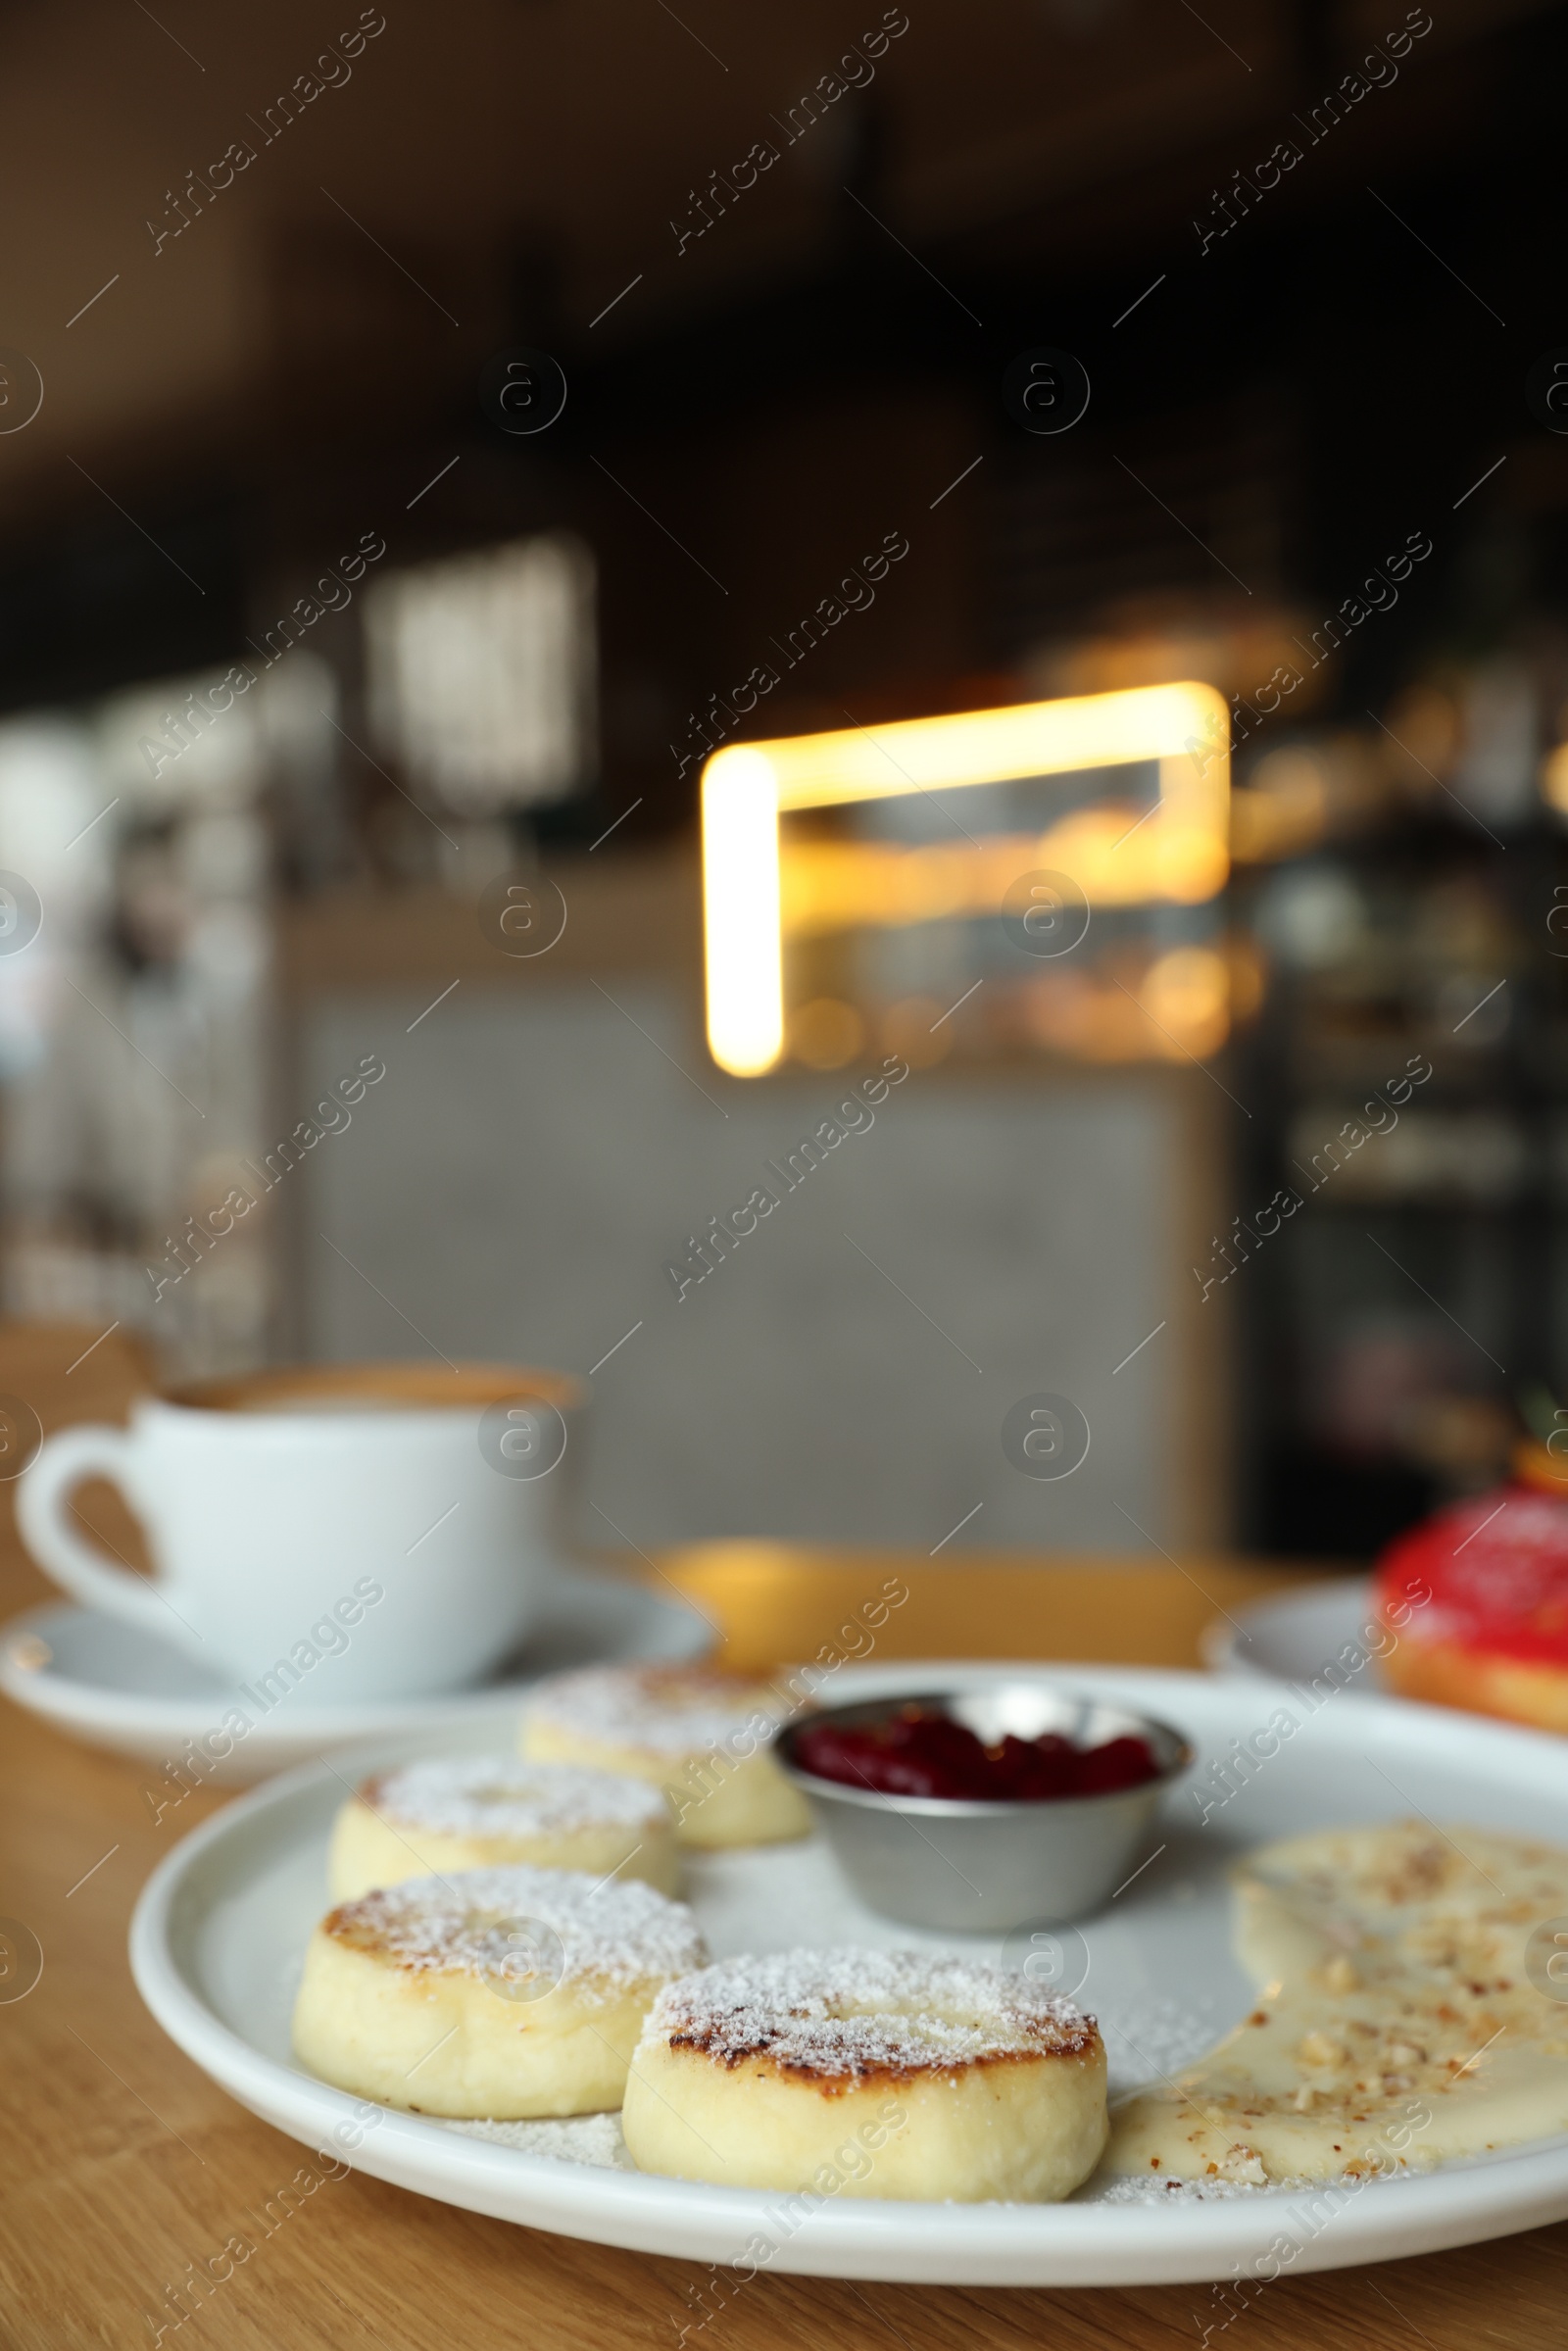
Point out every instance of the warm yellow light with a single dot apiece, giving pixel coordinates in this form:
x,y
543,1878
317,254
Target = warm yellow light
x,y
1284,813
1179,853
1555,779
1177,1010
826,1031
990,747
744,952
1186,993
837,885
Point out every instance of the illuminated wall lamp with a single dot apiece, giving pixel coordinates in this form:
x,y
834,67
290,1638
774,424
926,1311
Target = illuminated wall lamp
x,y
747,787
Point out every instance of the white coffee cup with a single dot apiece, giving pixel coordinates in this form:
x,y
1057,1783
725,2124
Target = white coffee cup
x,y
375,1530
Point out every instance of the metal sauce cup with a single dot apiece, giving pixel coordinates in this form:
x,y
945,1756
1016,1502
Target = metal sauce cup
x,y
983,1867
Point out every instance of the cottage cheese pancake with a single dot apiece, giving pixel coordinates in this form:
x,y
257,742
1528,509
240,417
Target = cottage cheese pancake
x,y
467,1812
704,1738
868,2074
1396,2025
505,1992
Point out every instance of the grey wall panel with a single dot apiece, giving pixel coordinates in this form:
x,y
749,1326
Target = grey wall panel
x,y
516,1182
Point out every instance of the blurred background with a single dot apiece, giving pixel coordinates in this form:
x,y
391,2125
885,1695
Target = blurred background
x,y
426,437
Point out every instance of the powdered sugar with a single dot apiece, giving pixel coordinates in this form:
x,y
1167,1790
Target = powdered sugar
x,y
590,1932
666,1710
496,1795
595,2140
1146,2039
859,2012
591,2138
1148,2189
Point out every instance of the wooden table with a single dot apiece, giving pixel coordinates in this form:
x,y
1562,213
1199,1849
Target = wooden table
x,y
124,2164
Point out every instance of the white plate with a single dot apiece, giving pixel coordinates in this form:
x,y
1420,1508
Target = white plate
x,y
118,1687
220,1931
1298,1635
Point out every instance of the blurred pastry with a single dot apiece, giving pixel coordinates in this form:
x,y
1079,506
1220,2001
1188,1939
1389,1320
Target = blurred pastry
x,y
1474,1603
703,1736
507,1992
470,1812
890,2074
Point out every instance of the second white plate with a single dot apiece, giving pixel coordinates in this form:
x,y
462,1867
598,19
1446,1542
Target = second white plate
x,y
1298,1635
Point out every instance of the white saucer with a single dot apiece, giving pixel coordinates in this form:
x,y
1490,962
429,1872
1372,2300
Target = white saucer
x,y
1297,1637
114,1687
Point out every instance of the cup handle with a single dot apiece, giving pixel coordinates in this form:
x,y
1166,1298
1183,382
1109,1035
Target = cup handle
x,y
62,1464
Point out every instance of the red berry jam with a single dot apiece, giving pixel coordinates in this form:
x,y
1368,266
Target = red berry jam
x,y
920,1753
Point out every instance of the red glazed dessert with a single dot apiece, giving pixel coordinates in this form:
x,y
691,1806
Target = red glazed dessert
x,y
1476,1600
921,1752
